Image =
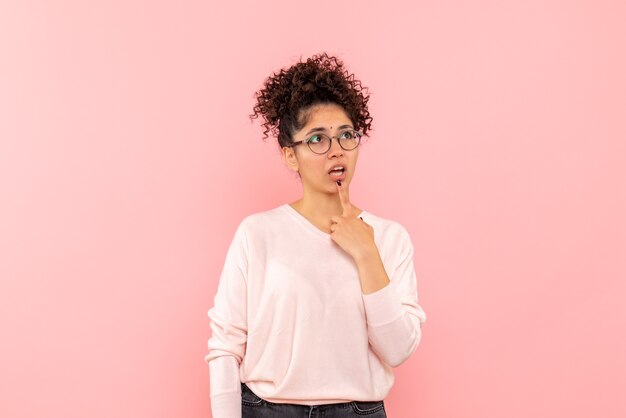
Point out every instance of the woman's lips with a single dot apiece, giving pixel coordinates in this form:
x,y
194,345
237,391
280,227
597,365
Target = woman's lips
x,y
336,177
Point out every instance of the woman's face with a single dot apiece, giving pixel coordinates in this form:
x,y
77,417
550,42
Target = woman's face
x,y
314,168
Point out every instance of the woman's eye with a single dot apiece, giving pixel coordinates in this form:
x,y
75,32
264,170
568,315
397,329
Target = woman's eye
x,y
314,139
347,135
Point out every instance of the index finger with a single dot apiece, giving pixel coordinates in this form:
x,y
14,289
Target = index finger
x,y
343,198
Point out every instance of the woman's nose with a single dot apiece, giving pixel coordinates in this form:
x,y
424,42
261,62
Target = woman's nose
x,y
335,148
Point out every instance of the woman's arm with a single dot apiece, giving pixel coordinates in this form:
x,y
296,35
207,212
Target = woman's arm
x,y
225,387
394,317
228,321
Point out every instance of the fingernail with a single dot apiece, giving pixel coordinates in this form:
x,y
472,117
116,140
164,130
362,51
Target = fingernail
x,y
339,182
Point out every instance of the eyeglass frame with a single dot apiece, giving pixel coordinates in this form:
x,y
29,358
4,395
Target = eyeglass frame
x,y
358,133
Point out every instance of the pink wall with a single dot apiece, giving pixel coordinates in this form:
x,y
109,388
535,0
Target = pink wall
x,y
127,160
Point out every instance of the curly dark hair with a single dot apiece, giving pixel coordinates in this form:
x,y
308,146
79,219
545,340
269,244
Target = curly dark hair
x,y
288,94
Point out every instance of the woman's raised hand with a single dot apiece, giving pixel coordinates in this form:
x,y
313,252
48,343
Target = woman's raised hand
x,y
353,234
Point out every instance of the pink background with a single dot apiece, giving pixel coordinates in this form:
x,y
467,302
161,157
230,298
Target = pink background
x,y
127,160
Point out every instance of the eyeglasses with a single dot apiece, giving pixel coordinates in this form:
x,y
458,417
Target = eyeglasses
x,y
320,143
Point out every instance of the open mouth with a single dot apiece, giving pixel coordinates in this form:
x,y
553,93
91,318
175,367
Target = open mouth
x,y
337,174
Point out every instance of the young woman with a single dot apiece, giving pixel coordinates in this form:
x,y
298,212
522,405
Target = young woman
x,y
317,300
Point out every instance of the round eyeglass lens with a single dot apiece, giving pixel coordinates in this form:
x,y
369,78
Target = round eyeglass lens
x,y
320,143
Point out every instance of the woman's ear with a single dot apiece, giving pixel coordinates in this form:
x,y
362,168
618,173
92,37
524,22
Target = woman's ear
x,y
290,158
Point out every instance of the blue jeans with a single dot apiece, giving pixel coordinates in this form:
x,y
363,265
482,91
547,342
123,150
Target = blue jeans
x,y
253,406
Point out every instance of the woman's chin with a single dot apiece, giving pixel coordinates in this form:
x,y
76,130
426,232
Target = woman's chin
x,y
344,183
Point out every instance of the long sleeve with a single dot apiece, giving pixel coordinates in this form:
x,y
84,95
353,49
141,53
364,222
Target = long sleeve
x,y
227,344
394,317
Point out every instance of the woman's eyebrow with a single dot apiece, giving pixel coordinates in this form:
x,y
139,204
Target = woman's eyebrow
x,y
323,129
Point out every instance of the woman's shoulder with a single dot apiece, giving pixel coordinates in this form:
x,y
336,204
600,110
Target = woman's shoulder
x,y
392,238
263,218
383,225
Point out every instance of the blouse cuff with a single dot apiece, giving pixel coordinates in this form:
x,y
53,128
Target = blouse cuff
x,y
383,306
226,405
